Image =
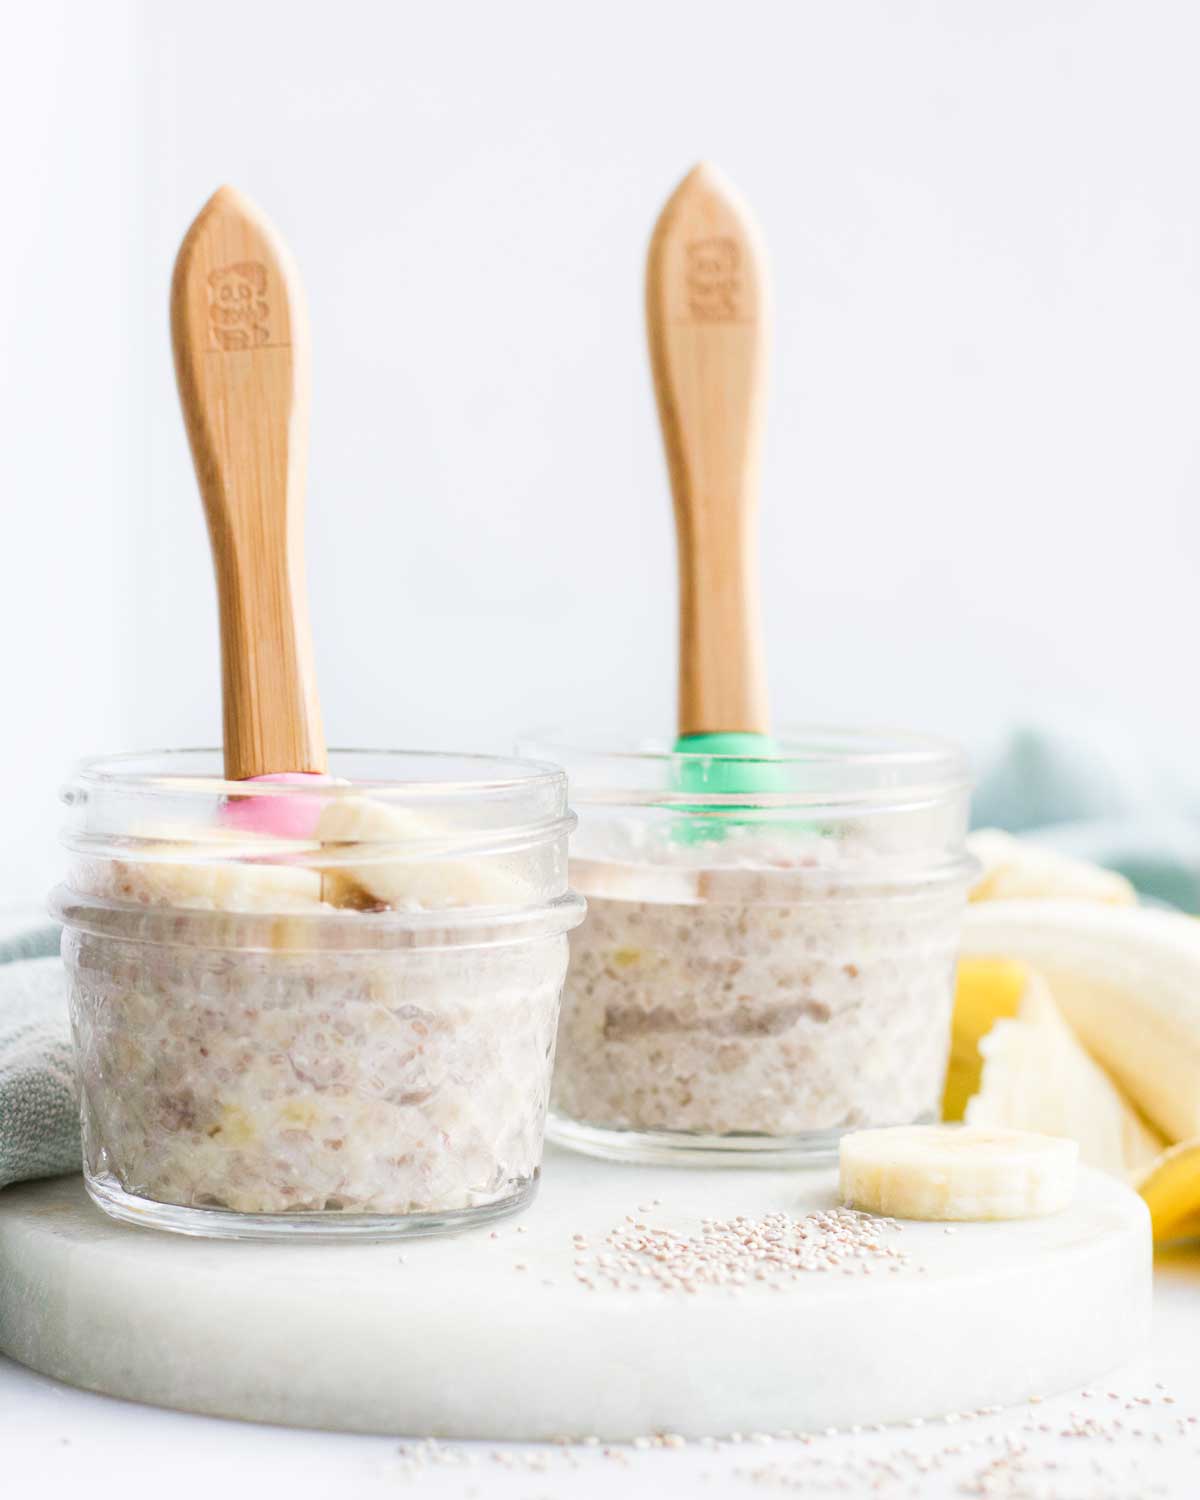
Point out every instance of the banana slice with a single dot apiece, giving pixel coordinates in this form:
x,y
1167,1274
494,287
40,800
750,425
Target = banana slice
x,y
404,883
1036,1076
243,873
230,887
1127,981
1015,870
957,1172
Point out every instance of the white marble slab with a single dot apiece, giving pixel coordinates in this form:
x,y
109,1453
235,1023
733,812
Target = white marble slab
x,y
453,1341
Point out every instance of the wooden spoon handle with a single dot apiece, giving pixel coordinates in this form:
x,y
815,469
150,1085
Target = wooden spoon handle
x,y
706,316
239,329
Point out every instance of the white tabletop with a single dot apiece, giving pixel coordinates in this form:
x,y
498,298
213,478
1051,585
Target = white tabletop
x,y
58,1441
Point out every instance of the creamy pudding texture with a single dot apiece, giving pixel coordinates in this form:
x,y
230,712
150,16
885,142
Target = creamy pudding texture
x,y
266,1037
383,1083
800,986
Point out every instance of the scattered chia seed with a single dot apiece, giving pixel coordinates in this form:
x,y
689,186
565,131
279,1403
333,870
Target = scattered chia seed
x,y
1061,1454
771,1251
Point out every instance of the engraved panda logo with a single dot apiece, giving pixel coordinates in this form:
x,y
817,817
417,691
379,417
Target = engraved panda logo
x,y
714,285
238,312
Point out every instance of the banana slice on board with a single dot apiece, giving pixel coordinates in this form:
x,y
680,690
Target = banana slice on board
x,y
957,1172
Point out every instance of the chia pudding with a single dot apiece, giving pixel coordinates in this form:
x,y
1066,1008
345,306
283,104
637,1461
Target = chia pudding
x,y
763,984
322,1036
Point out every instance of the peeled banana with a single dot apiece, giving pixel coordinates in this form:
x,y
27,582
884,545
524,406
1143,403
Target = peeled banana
x,y
956,1172
1036,1076
1014,870
1102,1042
987,990
1127,982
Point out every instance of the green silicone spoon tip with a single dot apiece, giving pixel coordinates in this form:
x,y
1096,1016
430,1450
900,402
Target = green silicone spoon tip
x,y
741,763
730,763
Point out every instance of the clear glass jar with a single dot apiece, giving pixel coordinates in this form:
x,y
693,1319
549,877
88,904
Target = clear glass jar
x,y
768,955
344,1029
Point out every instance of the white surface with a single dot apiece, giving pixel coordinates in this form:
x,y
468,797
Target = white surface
x,y
477,1336
981,464
60,1442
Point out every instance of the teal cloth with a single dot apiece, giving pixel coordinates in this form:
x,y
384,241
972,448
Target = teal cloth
x,y
1095,792
39,1112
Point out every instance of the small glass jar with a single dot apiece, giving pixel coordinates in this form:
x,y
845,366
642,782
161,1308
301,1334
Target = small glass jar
x,y
769,951
346,1028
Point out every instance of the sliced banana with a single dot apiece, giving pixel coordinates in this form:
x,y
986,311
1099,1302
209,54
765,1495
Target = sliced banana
x,y
393,879
957,1172
1036,1076
225,886
207,869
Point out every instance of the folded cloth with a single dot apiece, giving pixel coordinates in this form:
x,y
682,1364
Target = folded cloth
x,y
39,1112
1095,792
20,938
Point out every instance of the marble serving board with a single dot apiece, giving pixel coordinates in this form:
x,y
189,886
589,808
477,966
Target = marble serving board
x,y
488,1334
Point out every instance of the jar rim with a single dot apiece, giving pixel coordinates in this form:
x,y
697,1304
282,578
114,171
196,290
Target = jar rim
x,y
127,771
148,805
816,765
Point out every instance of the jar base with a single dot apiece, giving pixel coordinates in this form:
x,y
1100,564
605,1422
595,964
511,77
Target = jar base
x,y
226,1224
681,1148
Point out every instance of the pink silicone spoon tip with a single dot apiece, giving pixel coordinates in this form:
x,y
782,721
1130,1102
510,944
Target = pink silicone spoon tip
x,y
283,817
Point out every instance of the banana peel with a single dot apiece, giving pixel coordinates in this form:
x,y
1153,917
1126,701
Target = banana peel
x,y
1086,1009
1127,980
988,990
1171,1188
1036,1076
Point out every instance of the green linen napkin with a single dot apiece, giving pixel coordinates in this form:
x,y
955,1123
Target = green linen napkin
x,y
1097,791
39,1113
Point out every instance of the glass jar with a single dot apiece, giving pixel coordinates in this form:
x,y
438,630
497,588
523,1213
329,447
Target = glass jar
x,y
345,1028
769,951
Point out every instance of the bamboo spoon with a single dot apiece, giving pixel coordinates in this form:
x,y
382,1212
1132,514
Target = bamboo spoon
x,y
239,329
707,314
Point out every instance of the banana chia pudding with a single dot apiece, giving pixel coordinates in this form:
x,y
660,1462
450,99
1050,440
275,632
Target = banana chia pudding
x,y
754,980
748,1010
352,1036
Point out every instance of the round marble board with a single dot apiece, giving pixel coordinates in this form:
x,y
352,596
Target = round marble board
x,y
489,1334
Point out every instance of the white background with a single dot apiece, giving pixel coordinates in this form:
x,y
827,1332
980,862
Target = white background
x,y
981,468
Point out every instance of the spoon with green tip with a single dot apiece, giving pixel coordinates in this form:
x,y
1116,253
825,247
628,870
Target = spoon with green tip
x,y
707,313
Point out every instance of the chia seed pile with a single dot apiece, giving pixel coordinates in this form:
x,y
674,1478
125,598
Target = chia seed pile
x,y
730,1254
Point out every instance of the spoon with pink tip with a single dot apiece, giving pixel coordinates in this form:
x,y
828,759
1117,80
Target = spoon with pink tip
x,y
239,330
